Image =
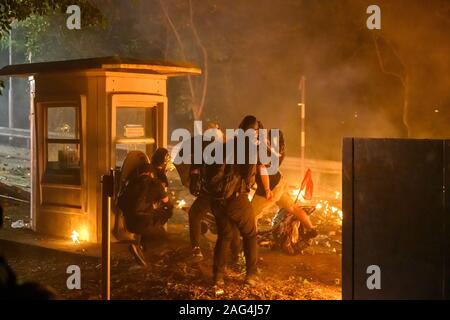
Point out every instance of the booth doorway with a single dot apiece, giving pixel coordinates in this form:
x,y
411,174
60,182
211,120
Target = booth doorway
x,y
135,121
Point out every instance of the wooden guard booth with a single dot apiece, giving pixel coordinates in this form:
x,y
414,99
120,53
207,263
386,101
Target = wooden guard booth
x,y
84,117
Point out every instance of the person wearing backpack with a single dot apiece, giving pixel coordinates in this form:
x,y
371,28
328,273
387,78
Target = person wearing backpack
x,y
230,184
145,203
202,204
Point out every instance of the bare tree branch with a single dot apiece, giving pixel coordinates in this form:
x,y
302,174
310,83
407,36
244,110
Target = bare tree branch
x,y
201,105
182,50
382,65
403,78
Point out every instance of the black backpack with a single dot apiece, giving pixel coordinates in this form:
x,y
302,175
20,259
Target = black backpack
x,y
221,181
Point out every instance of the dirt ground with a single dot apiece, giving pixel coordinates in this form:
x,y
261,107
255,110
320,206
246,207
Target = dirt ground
x,y
171,274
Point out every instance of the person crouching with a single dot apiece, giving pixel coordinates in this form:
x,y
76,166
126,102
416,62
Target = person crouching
x,y
146,207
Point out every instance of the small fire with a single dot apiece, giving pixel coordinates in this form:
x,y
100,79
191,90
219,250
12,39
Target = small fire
x,y
295,193
81,235
331,213
181,204
74,236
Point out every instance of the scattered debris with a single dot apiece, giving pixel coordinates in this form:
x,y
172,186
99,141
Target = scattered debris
x,y
314,274
19,224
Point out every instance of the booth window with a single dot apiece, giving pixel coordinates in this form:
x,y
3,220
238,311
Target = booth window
x,y
62,145
135,130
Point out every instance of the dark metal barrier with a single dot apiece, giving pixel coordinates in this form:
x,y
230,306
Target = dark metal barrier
x,y
396,239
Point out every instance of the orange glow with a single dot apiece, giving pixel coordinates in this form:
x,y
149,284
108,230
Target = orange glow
x,y
81,235
84,233
181,204
74,236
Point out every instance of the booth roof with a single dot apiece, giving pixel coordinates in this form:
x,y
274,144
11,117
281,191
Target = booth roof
x,y
113,63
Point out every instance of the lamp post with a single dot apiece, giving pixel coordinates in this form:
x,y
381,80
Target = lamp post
x,y
10,90
302,106
107,193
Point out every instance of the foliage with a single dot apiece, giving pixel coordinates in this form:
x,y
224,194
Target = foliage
x,y
29,17
19,10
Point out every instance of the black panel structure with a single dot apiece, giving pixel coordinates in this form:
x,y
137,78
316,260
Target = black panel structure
x,y
396,217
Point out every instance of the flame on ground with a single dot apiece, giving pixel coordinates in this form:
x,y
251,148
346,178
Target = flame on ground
x,y
74,237
326,209
81,235
181,204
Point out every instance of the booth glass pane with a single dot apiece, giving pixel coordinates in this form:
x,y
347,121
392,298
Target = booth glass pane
x,y
134,122
63,156
63,163
62,123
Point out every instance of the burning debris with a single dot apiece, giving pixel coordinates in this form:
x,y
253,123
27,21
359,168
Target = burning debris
x,y
74,236
284,233
82,235
181,204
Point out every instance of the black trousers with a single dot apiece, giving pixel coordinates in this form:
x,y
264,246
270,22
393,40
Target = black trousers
x,y
233,217
197,212
149,226
201,206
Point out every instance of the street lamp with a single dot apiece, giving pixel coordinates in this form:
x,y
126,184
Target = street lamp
x,y
302,106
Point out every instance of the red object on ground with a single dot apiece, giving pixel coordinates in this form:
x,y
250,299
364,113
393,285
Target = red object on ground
x,y
307,185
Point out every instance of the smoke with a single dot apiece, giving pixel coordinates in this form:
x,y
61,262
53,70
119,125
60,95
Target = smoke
x,y
259,49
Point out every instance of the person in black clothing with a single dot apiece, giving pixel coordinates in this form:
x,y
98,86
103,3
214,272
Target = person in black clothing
x,y
202,204
145,203
161,162
148,208
234,213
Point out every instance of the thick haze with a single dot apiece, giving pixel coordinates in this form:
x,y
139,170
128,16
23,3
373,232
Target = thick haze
x,y
258,50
